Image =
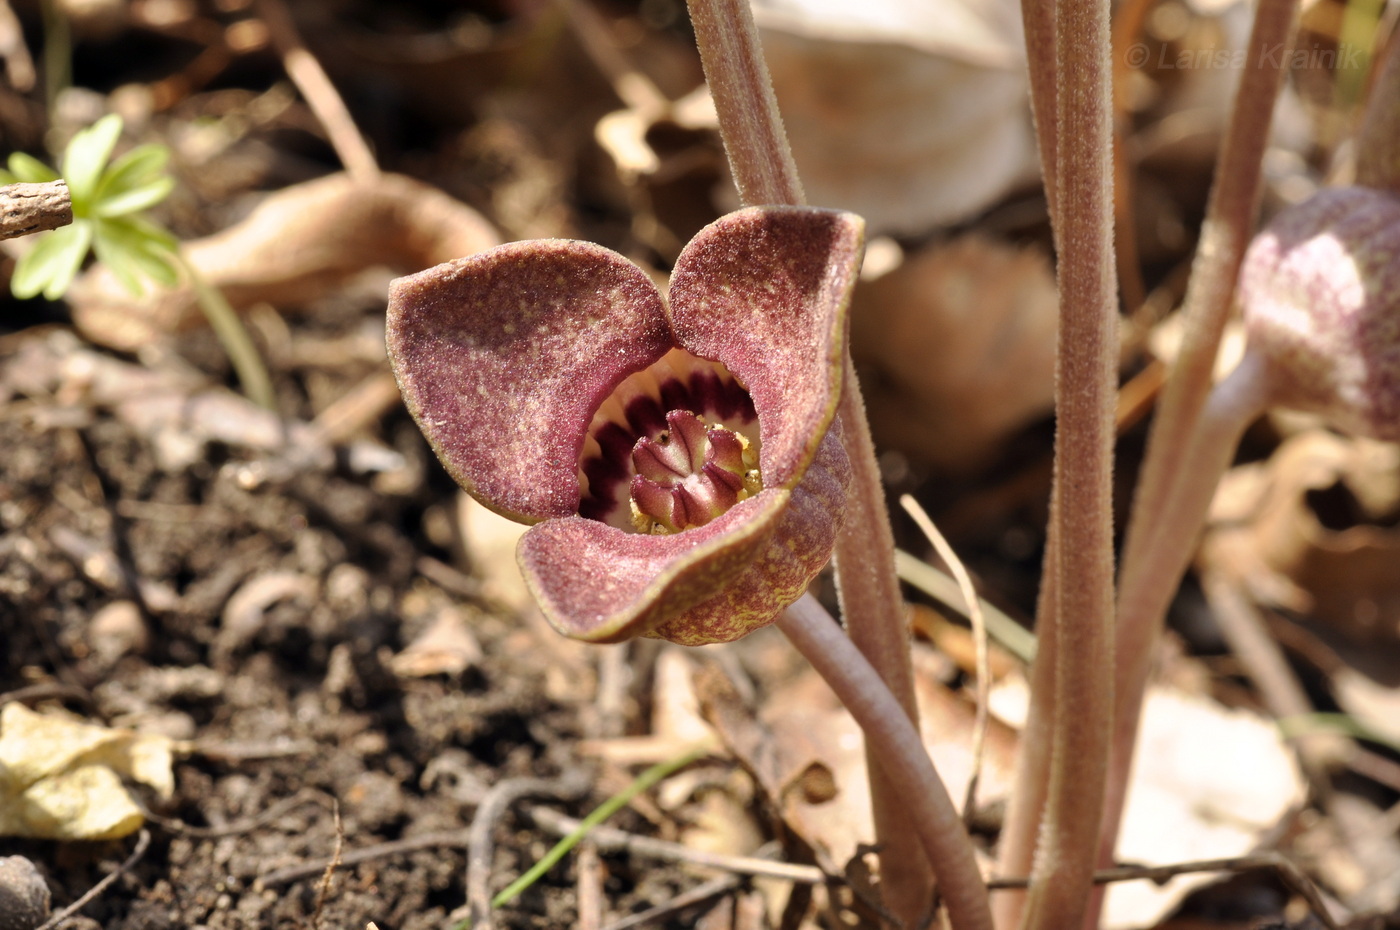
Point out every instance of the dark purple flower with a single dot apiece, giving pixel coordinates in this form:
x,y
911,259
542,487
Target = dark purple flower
x,y
676,456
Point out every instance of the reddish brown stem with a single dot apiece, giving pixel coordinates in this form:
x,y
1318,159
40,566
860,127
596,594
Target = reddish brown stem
x,y
749,122
1225,234
927,811
1018,836
764,172
1378,142
1085,396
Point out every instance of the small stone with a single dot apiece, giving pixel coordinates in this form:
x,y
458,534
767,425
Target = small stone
x,y
118,630
24,896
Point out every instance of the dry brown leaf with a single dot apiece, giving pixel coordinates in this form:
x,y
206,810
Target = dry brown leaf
x,y
961,338
489,541
808,754
446,646
1207,783
1315,528
913,114
295,246
61,778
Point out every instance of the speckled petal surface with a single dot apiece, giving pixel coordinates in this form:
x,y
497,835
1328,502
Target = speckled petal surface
x,y
765,290
598,583
504,356
1320,291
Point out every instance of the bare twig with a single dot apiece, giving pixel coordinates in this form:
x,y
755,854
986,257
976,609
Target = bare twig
x,y
979,636
609,839
143,840
481,847
31,208
247,825
1286,869
320,94
324,889
697,895
590,887
296,873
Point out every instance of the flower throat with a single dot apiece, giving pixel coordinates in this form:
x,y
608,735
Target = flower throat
x,y
673,447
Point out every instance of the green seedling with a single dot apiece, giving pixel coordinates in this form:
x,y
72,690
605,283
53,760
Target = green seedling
x,y
109,198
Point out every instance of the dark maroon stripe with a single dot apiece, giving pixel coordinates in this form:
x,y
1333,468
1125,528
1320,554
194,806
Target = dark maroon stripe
x,y
615,443
645,416
709,396
675,395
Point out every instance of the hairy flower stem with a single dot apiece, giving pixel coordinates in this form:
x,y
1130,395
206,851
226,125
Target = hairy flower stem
x,y
1016,847
925,807
764,172
1086,384
1225,234
1378,142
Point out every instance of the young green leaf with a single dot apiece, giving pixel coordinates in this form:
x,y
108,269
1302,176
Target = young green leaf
x,y
136,169
124,247
85,157
30,170
52,264
134,200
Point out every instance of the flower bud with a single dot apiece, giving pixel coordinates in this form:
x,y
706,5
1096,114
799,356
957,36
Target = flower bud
x,y
1320,290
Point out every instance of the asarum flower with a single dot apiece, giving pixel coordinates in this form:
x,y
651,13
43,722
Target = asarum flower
x,y
677,457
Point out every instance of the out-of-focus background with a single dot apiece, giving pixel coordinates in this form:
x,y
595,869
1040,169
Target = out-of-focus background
x,y
272,640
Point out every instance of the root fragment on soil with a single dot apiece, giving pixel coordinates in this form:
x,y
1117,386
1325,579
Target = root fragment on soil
x,y
143,840
481,846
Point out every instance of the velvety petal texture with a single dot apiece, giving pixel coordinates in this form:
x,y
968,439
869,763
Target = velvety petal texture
x,y
1320,292
536,371
766,291
503,357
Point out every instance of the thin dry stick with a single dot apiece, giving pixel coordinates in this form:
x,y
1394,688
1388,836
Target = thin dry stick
x,y
1263,660
323,891
1275,861
765,173
1225,233
481,848
31,208
928,812
611,839
979,638
1086,383
589,887
700,894
320,94
142,842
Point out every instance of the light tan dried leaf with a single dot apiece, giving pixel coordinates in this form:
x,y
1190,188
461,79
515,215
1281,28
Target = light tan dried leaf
x,y
446,647
914,115
295,246
1320,518
60,778
490,541
1208,783
962,340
